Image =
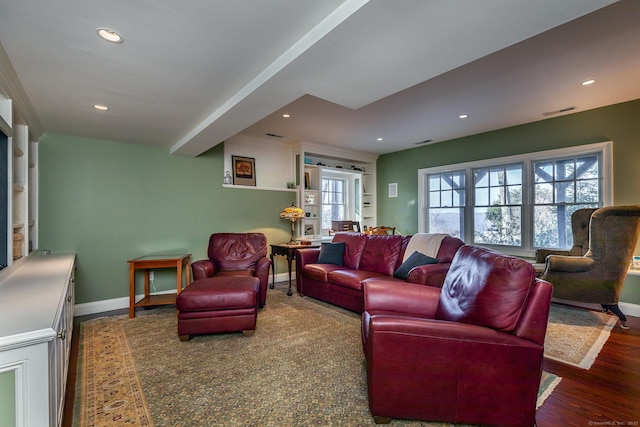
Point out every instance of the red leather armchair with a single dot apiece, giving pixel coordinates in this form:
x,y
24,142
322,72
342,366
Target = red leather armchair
x,y
236,254
470,352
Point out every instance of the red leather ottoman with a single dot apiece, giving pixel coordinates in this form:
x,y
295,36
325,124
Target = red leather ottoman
x,y
218,304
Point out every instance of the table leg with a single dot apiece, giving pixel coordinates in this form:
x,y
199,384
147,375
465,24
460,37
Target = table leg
x,y
179,278
132,291
290,257
273,272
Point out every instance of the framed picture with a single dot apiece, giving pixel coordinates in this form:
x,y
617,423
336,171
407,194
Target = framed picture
x,y
244,170
307,181
309,230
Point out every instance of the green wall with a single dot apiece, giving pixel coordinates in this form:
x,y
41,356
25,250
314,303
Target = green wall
x,y
7,399
619,123
112,202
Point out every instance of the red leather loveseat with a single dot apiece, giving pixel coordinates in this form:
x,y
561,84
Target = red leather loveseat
x,y
367,258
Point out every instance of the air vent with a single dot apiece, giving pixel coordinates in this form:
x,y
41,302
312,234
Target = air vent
x,y
562,110
426,141
273,135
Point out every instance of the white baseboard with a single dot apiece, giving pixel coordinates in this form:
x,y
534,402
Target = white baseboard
x,y
123,302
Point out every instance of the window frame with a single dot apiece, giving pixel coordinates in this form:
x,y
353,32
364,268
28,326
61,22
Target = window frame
x,y
603,149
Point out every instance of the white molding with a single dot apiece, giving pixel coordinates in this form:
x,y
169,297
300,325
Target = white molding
x,y
123,302
10,85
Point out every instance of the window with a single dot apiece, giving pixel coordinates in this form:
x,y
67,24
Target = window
x,y
520,202
334,201
446,203
561,187
498,205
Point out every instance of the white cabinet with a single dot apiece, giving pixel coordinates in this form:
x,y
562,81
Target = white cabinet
x,y
36,325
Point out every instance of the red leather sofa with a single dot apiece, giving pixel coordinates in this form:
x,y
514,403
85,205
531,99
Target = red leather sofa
x,y
470,352
367,258
236,254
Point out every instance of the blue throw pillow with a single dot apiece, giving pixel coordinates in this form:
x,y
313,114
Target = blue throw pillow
x,y
414,260
331,253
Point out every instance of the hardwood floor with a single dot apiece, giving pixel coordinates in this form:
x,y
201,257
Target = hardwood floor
x,y
608,394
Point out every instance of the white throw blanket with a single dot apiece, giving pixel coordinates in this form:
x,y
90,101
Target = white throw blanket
x,y
425,243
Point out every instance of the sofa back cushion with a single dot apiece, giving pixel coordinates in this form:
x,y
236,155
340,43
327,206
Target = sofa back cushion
x,y
381,253
448,248
485,288
354,247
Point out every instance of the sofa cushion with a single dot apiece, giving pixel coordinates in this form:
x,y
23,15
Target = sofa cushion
x,y
319,272
381,253
331,253
485,288
353,251
351,278
414,260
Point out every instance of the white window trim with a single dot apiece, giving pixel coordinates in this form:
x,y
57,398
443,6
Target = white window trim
x,y
605,149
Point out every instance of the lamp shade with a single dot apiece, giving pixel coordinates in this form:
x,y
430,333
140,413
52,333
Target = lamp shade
x,y
292,213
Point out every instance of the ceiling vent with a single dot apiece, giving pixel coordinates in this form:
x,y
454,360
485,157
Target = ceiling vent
x,y
562,110
273,135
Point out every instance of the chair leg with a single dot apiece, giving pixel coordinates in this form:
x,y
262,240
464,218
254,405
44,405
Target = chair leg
x,y
616,310
184,338
248,332
381,420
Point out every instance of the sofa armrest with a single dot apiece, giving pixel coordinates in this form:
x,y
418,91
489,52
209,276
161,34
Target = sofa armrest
x,y
405,298
203,269
307,256
569,264
429,274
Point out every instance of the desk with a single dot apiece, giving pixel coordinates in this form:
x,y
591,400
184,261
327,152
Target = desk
x,y
149,262
290,252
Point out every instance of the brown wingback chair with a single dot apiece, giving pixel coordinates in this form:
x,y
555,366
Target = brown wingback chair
x,y
470,352
599,274
236,254
580,231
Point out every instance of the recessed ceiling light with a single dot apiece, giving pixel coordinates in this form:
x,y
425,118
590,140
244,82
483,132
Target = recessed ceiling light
x,y
109,35
379,139
101,107
286,116
463,116
588,82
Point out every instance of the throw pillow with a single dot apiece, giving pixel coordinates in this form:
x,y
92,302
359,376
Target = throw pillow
x,y
414,260
331,253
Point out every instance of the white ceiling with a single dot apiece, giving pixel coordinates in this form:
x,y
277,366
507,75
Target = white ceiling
x,y
193,73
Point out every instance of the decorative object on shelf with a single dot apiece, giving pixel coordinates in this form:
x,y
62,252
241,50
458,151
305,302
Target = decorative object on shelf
x,y
291,184
244,170
309,230
227,178
292,213
307,181
309,199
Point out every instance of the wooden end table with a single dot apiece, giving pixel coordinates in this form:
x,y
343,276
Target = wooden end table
x,y
149,262
289,251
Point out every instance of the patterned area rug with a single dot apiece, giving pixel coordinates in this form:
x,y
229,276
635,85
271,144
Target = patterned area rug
x,y
304,366
575,336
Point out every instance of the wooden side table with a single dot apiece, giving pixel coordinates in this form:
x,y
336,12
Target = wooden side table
x,y
150,262
290,252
